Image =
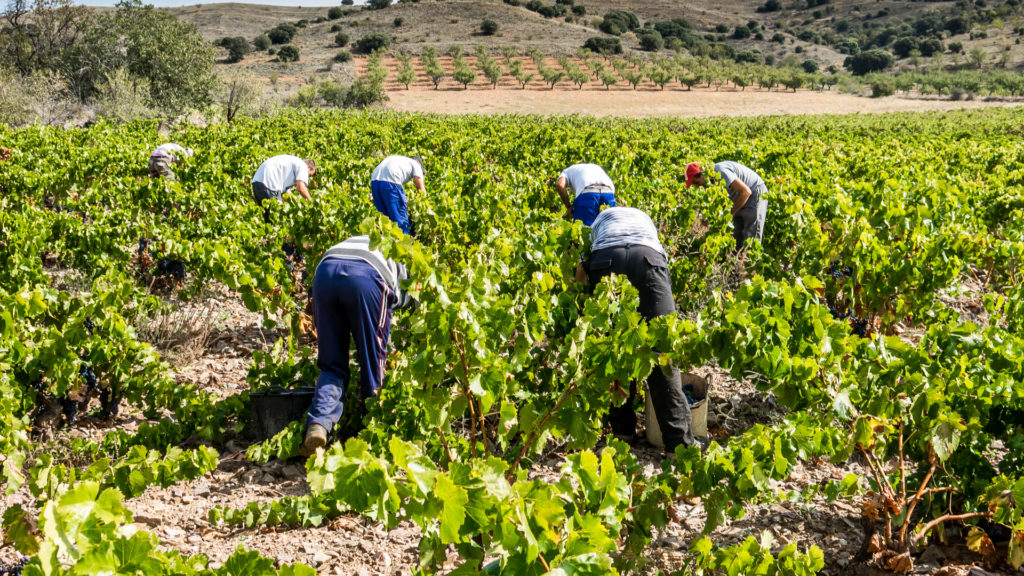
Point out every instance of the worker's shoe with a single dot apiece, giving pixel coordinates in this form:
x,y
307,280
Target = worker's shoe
x,y
316,437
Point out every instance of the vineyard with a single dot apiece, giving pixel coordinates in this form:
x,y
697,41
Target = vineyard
x,y
878,334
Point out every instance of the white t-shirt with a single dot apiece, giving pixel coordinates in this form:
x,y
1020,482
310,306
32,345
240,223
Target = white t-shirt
x,y
169,148
621,226
582,175
282,172
397,170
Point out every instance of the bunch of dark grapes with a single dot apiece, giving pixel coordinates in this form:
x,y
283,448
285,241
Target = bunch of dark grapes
x,y
839,270
89,325
143,246
292,252
69,408
173,268
88,376
109,402
13,568
836,314
859,326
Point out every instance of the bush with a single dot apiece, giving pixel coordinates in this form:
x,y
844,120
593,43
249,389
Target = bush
x,y
347,2
335,13
261,42
770,6
904,45
365,92
124,97
603,45
741,33
874,60
378,4
341,40
272,51
398,21
237,48
883,86
342,57
651,41
579,10
282,33
337,28
288,53
618,22
372,42
721,28
931,46
488,27
956,47
778,38
809,66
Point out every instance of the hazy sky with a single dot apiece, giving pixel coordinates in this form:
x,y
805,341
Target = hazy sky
x,y
164,3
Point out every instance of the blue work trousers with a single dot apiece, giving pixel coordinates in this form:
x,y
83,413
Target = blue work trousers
x,y
350,300
587,205
389,199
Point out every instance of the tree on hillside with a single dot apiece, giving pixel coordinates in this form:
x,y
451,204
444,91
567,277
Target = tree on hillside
x,y
372,42
406,74
464,75
282,33
378,4
151,45
488,27
335,12
261,42
874,60
37,32
435,72
237,48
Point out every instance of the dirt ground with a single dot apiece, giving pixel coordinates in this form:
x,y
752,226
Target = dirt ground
x,y
655,103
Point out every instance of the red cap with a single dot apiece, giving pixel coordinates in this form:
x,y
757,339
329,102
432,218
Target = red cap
x,y
692,169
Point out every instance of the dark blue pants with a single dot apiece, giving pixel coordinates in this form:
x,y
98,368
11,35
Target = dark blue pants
x,y
587,205
350,300
389,199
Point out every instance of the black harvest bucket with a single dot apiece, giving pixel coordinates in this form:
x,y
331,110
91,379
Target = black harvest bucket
x,y
275,407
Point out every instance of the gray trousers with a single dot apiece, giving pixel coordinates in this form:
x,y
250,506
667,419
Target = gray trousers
x,y
647,271
748,222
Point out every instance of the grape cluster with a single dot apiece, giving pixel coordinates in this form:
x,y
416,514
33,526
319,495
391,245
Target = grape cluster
x,y
839,270
88,376
143,246
89,325
173,268
69,408
109,402
13,568
838,315
859,326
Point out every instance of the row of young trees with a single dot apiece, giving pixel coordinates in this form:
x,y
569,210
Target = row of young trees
x,y
635,70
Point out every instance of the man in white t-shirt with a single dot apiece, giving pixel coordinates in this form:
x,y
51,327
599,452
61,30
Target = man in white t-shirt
x,y
746,191
160,160
387,185
278,174
592,187
625,241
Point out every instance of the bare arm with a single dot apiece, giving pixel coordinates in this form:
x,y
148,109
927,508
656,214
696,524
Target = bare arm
x,y
301,187
418,182
742,195
581,274
561,185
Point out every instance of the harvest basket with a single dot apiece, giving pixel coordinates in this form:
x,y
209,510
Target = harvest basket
x,y
276,407
698,389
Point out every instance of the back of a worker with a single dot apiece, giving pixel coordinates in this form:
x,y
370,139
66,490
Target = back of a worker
x,y
625,241
592,189
387,185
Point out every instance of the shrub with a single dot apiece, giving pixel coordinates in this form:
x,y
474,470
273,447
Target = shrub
x,y
488,27
288,53
603,45
378,4
618,22
931,46
651,41
904,45
341,40
579,10
770,6
337,28
372,42
883,86
741,33
809,66
237,48
342,57
282,33
874,60
778,38
347,2
261,42
335,13
721,28
398,21
365,91
956,47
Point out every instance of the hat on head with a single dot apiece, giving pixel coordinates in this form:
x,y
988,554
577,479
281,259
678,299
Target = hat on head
x,y
692,169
